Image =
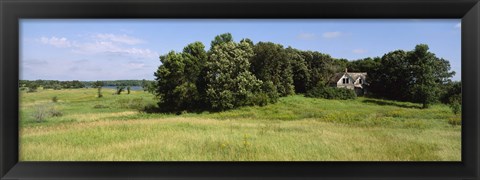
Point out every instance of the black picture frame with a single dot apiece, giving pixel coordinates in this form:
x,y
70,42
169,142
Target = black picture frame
x,y
11,11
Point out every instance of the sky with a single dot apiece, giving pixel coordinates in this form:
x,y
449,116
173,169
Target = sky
x,y
95,49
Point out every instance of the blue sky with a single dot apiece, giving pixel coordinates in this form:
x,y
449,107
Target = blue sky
x,y
129,49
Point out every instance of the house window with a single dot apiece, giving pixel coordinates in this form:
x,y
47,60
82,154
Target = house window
x,y
360,81
345,80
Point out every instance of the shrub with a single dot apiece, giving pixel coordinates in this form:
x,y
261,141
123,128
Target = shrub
x,y
40,113
456,104
331,93
54,112
259,99
54,99
119,89
455,120
43,111
100,106
135,103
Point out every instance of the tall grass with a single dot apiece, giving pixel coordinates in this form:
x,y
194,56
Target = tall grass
x,y
295,128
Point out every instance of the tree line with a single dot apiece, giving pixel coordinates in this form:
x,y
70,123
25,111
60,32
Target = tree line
x,y
232,74
32,85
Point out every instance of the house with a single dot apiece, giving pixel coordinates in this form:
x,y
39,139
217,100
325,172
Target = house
x,y
351,80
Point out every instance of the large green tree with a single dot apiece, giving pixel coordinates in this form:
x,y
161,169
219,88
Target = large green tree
x,y
178,76
429,73
221,39
271,63
322,67
392,79
229,83
415,76
300,71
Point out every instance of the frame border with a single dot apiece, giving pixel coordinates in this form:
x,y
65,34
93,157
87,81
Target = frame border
x,y
12,11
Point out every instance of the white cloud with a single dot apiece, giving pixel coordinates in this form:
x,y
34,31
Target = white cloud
x,y
135,65
458,25
359,51
306,36
113,48
57,42
103,43
124,39
333,34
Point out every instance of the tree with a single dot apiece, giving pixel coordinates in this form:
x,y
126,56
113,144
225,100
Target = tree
x,y
32,87
322,68
229,83
220,39
300,71
120,89
364,65
393,78
178,76
271,63
451,89
98,85
415,76
128,89
429,72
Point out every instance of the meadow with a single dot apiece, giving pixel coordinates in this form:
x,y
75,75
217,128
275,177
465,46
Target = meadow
x,y
81,127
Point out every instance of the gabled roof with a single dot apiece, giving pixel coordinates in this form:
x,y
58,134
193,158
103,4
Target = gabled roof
x,y
353,75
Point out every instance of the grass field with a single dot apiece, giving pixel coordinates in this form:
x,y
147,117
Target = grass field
x,y
81,127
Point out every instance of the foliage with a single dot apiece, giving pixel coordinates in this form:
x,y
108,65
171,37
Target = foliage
x,y
40,113
229,83
98,85
455,103
178,77
364,65
120,89
221,39
415,76
450,90
455,120
322,68
271,63
331,93
300,70
148,86
32,87
54,99
43,111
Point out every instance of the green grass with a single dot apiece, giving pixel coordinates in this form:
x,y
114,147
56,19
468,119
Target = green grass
x,y
295,129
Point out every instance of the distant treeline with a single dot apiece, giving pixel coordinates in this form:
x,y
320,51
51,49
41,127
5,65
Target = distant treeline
x,y
32,85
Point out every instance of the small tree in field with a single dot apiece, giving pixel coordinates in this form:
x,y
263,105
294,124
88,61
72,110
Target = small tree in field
x,y
120,89
128,89
98,85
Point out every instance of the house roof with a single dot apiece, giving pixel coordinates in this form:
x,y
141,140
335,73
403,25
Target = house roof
x,y
353,75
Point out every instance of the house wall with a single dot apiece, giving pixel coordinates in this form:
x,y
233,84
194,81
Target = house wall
x,y
348,86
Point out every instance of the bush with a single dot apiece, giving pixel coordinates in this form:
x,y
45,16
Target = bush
x,y
100,106
54,99
455,120
259,99
331,93
43,111
135,103
40,113
455,103
55,112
